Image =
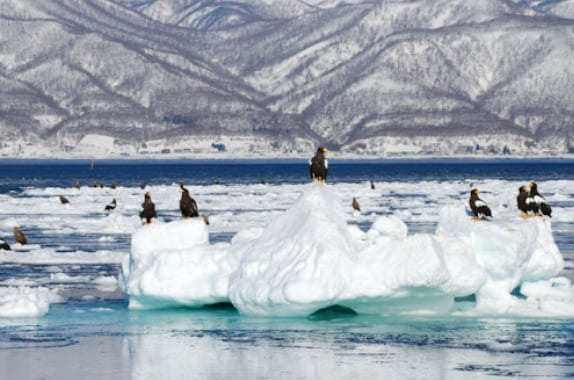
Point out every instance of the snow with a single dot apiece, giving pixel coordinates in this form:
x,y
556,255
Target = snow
x,y
173,264
298,265
24,301
309,257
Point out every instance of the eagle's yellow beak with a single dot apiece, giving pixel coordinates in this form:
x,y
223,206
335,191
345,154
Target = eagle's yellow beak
x,y
530,184
325,150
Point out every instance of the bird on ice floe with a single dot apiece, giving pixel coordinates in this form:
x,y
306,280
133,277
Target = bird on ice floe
x,y
521,201
355,205
478,206
19,236
318,165
64,200
4,246
187,204
111,206
536,203
372,186
205,220
148,209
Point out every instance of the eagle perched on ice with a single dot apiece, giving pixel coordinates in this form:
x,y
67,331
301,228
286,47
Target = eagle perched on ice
x,y
318,165
4,246
110,207
521,201
148,211
479,207
187,204
19,236
536,203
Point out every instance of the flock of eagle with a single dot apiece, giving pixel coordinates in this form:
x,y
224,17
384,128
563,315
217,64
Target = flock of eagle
x,y
529,200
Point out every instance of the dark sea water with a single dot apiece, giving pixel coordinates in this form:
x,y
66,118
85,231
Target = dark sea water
x,y
93,335
15,174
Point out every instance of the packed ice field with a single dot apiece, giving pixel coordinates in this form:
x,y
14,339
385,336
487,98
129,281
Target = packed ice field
x,y
292,249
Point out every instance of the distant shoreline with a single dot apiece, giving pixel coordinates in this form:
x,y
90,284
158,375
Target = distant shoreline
x,y
334,159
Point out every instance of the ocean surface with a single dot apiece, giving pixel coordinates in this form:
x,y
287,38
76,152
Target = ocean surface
x,y
76,250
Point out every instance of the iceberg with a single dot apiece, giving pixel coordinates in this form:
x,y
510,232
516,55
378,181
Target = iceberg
x,y
510,251
173,264
300,263
309,258
26,302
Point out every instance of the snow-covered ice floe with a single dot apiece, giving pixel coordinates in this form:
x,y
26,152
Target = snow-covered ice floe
x,y
174,264
309,258
20,302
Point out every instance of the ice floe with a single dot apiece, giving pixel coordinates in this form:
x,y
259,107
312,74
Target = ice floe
x,y
309,257
22,301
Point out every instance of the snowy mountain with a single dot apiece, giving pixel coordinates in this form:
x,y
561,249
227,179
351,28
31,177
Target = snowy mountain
x,y
277,77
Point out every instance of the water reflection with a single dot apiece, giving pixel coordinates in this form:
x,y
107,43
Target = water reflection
x,y
218,343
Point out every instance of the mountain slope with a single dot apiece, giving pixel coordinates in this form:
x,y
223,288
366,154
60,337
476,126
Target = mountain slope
x,y
279,77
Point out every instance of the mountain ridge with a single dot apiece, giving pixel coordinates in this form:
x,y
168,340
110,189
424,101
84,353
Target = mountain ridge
x,y
356,77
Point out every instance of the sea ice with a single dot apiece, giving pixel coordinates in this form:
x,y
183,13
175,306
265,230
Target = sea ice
x,y
173,264
309,258
300,263
26,301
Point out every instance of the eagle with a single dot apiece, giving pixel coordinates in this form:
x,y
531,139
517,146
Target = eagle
x,y
521,201
187,204
64,200
4,246
356,205
318,165
537,205
148,209
111,206
205,219
19,236
478,206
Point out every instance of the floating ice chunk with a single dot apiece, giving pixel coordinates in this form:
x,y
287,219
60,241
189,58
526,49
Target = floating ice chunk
x,y
300,263
43,255
544,298
116,223
388,226
399,275
26,302
554,298
106,283
173,264
308,258
509,249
